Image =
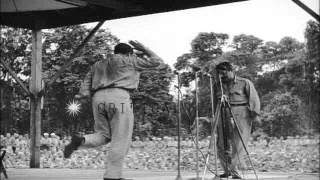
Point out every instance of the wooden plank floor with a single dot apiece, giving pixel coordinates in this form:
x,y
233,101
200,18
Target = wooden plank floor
x,y
94,174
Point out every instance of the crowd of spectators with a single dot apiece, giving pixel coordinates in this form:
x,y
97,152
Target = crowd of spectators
x,y
268,154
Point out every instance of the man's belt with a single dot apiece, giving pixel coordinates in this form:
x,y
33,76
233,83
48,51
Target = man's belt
x,y
242,104
112,86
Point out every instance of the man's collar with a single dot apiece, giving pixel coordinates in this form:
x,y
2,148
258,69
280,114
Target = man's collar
x,y
234,80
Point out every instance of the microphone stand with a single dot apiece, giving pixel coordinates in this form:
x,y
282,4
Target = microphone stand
x,y
212,123
179,126
197,126
213,138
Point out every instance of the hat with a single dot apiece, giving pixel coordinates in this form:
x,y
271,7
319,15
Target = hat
x,y
220,61
52,134
45,134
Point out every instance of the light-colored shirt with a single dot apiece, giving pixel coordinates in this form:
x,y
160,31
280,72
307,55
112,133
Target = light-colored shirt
x,y
117,70
242,91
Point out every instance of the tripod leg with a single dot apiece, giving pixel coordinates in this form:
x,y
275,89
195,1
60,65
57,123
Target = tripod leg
x,y
213,135
215,156
214,124
226,138
5,174
205,167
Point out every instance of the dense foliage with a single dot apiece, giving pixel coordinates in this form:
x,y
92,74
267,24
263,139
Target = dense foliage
x,y
285,74
151,102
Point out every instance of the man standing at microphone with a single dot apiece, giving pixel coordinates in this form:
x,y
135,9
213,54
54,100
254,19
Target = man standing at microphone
x,y
245,106
109,83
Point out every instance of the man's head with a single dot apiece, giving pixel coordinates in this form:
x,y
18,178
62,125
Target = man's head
x,y
123,48
224,69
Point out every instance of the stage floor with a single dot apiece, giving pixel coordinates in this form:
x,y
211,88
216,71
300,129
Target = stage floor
x,y
94,174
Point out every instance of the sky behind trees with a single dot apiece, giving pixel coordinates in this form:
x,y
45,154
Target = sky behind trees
x,y
170,34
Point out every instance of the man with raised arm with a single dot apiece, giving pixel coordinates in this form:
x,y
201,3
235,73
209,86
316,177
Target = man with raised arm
x,y
109,83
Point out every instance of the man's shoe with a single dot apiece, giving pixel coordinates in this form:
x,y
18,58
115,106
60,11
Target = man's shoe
x,y
235,175
76,141
224,175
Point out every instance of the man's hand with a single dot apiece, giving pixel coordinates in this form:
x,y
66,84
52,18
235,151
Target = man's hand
x,y
253,114
150,55
258,120
138,46
80,98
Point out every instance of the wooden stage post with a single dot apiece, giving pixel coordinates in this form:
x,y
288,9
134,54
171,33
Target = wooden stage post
x,y
35,99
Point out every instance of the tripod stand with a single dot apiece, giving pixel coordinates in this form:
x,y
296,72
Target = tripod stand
x,y
223,111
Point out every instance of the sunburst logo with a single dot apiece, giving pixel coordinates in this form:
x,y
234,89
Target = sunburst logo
x,y
73,108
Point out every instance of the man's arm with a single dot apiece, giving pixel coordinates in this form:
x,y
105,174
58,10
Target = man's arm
x,y
153,61
253,97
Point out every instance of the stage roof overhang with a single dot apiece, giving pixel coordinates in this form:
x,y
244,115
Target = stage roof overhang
x,y
46,14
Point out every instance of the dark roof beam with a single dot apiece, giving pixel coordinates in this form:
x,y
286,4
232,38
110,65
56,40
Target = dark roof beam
x,y
307,9
113,4
15,76
79,3
116,4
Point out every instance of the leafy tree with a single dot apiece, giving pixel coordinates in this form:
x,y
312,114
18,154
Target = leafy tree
x,y
15,50
281,116
58,45
289,44
283,85
245,55
311,68
246,44
153,105
205,48
266,83
298,76
270,53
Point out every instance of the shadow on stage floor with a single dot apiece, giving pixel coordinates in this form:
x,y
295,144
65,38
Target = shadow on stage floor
x,y
94,174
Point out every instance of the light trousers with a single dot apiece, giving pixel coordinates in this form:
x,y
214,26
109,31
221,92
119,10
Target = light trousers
x,y
232,153
113,117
